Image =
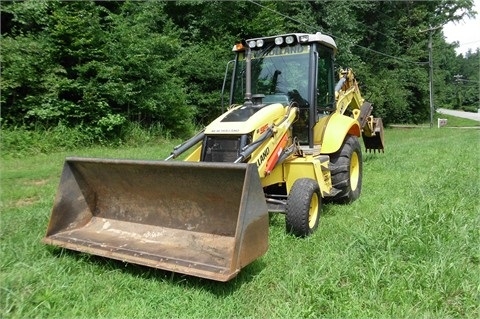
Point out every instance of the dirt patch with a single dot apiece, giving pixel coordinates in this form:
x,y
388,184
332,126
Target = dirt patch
x,y
26,201
37,182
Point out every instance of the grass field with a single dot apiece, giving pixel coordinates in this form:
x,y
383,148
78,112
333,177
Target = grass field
x,y
408,248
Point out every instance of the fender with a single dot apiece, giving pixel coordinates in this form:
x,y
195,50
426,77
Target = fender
x,y
332,131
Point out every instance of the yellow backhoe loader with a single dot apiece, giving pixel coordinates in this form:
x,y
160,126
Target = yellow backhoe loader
x,y
288,142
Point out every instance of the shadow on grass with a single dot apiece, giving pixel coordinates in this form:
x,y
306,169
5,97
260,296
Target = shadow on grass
x,y
104,264
370,157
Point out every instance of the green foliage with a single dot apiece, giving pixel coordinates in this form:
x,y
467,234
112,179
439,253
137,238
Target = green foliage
x,y
467,88
103,65
86,66
19,142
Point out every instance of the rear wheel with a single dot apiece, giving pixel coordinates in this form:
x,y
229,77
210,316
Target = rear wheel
x,y
303,207
346,171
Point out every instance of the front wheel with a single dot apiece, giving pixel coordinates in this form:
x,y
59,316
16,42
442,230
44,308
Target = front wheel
x,y
303,207
346,171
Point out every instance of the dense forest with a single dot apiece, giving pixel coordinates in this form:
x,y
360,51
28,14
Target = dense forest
x,y
101,65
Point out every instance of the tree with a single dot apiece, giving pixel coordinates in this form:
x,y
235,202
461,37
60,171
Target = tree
x,y
83,65
467,81
101,65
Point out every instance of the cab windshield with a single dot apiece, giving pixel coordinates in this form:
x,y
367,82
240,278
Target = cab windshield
x,y
279,73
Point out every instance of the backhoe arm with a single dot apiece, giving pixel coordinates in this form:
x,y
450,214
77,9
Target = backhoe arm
x,y
347,93
349,98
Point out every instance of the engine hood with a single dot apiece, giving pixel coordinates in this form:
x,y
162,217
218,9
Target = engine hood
x,y
244,119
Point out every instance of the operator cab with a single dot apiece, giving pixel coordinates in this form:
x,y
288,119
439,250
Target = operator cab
x,y
294,69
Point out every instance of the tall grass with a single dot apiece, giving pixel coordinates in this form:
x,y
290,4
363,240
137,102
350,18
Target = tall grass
x,y
18,142
408,248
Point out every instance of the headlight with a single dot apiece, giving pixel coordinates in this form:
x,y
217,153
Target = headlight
x,y
260,43
278,40
289,39
251,44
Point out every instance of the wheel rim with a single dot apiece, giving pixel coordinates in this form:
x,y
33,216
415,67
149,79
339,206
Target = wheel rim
x,y
354,171
313,211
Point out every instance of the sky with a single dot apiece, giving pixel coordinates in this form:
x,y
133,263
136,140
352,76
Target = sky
x,y
466,32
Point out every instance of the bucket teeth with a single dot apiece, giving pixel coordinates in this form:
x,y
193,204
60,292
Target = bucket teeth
x,y
374,143
374,150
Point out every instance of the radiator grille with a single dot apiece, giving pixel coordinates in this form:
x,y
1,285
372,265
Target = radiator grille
x,y
221,149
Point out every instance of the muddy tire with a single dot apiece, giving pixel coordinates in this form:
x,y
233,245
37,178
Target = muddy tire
x,y
346,171
303,207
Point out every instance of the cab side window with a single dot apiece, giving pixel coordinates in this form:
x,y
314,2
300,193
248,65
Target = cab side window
x,y
325,76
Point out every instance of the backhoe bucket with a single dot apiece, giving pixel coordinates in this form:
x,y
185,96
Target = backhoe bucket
x,y
374,140
203,219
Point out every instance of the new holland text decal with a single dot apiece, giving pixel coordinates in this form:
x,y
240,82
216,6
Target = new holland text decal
x,y
263,156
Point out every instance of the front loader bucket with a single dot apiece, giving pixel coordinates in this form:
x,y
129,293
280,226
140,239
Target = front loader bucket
x,y
374,140
203,219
